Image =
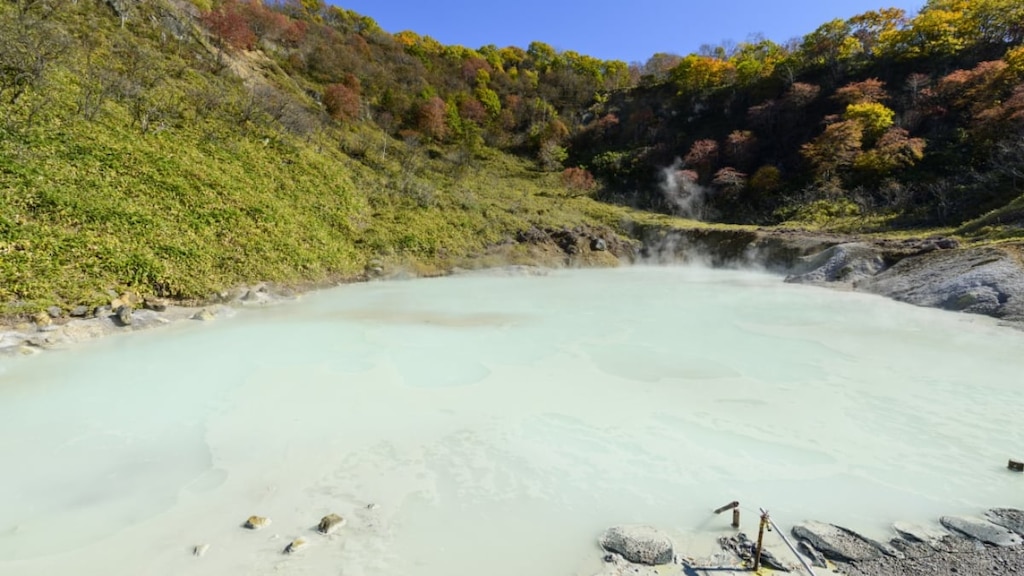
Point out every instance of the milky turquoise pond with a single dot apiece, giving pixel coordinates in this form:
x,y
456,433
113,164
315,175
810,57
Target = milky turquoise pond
x,y
499,422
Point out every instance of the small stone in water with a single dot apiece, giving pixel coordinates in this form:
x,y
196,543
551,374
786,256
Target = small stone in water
x,y
200,550
256,522
295,545
330,523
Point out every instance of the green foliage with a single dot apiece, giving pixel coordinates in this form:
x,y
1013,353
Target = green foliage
x,y
825,212
874,118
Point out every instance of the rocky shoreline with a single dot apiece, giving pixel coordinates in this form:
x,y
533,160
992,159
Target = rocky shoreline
x,y
932,272
987,545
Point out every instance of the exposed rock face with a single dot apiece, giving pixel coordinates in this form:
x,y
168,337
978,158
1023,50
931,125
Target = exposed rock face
x,y
980,281
330,523
837,543
982,530
638,544
1008,518
840,263
580,240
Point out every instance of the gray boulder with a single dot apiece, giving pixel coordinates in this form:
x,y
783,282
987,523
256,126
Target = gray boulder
x,y
54,311
981,530
79,312
1008,518
841,263
837,543
986,281
124,315
638,544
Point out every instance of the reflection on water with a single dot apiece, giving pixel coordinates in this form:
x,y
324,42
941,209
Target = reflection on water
x,y
499,423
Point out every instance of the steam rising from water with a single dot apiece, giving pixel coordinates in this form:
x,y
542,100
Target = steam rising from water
x,y
500,423
680,188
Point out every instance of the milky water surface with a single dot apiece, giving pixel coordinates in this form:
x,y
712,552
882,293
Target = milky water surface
x,y
499,423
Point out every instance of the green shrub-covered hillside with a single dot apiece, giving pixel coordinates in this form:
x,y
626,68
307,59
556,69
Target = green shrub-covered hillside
x,y
179,147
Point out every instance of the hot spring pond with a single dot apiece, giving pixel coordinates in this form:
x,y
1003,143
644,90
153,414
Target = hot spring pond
x,y
499,423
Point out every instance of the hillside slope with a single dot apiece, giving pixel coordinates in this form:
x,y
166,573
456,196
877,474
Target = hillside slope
x,y
144,157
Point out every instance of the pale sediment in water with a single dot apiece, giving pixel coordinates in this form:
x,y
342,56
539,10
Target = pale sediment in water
x,y
501,422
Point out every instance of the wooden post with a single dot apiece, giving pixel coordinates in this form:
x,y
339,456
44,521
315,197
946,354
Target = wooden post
x,y
760,540
1016,466
735,517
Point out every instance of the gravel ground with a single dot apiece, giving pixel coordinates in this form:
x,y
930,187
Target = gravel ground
x,y
978,561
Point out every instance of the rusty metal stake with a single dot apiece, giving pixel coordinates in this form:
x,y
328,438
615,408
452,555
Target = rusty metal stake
x,y
771,524
729,506
760,540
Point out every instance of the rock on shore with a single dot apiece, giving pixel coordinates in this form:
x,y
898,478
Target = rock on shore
x,y
982,530
986,281
837,543
639,544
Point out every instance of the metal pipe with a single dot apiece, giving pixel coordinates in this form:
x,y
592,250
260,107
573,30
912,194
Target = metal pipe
x,y
729,506
789,545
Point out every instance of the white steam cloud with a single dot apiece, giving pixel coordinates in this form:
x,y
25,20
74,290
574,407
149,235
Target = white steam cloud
x,y
680,188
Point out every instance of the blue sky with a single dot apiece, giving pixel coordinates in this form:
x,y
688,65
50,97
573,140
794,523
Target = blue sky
x,y
630,30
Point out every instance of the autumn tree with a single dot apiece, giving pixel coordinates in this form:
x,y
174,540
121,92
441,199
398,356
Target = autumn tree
x,y
229,24
697,75
702,156
342,101
756,60
835,149
872,117
431,118
894,150
868,91
578,181
873,28
730,180
740,147
831,46
766,180
660,65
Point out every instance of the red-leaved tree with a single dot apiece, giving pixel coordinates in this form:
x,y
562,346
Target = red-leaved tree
x,y
230,25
